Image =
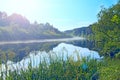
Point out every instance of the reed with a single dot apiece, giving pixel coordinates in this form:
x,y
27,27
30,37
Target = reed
x,y
58,69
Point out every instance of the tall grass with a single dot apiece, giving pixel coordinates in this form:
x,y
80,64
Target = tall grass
x,y
60,69
56,69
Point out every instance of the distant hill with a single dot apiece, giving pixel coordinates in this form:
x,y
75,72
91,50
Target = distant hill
x,y
17,27
83,31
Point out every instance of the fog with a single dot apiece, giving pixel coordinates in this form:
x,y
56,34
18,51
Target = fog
x,y
42,40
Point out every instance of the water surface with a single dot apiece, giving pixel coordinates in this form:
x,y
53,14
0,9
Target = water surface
x,y
63,50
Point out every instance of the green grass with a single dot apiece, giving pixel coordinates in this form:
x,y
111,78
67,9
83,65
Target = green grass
x,y
59,69
110,70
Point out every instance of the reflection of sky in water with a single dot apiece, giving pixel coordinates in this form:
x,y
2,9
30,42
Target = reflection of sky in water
x,y
61,51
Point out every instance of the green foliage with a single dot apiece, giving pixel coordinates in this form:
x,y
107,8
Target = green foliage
x,y
110,70
107,31
115,19
82,32
57,69
117,55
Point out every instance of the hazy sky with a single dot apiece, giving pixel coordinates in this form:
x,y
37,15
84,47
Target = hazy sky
x,y
62,14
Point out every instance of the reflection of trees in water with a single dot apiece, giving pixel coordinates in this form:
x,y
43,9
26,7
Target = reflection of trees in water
x,y
84,43
16,52
22,50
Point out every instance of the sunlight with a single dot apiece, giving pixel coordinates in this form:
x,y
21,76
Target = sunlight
x,y
21,6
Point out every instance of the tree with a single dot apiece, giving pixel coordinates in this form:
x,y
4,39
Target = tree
x,y
107,31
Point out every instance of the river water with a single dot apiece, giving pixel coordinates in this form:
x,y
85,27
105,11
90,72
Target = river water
x,y
63,50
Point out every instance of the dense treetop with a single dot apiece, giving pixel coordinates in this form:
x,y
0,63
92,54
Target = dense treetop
x,y
107,31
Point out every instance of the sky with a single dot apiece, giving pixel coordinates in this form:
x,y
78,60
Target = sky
x,y
62,14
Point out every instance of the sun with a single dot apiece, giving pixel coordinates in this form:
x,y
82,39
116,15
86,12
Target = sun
x,y
21,6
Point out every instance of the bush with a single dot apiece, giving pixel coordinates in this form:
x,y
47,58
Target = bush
x,y
117,55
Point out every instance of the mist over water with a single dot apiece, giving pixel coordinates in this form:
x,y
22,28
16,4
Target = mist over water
x,y
41,41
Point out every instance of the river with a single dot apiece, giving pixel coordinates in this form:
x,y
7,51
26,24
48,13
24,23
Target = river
x,y
63,50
